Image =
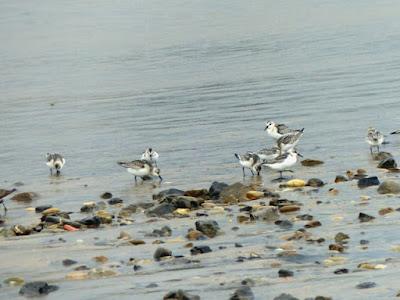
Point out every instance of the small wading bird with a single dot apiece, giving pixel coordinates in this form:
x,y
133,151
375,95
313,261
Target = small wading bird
x,y
374,138
283,162
3,194
250,161
150,155
55,161
277,130
141,168
289,141
268,153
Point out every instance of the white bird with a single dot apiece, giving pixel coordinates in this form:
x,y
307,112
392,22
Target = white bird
x,y
55,161
374,138
141,168
250,161
277,130
283,162
289,141
150,155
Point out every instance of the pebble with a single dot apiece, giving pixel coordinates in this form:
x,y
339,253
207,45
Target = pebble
x,y
180,295
137,242
312,224
210,228
161,210
88,207
104,216
216,188
106,195
243,218
333,192
69,262
387,163
254,195
243,293
336,247
77,275
284,224
389,187
362,217
200,250
21,230
194,235
234,193
202,193
37,288
294,183
114,201
340,178
101,272
160,253
341,271
14,281
165,231
91,222
369,266
385,211
285,273
315,182
305,217
41,208
341,238
267,214
289,208
284,296
100,259
366,285
368,181
70,228
24,197
311,162
123,235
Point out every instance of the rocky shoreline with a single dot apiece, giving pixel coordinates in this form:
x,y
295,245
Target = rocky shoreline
x,y
235,240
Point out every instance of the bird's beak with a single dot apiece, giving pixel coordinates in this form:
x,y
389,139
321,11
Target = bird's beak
x,y
266,127
300,155
161,179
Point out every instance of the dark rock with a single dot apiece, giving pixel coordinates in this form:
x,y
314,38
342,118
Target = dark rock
x,y
106,195
322,298
152,285
336,247
200,250
161,252
284,296
238,245
248,282
364,217
267,214
315,182
37,288
341,271
284,224
186,202
381,155
91,222
161,210
52,219
305,217
114,201
21,230
341,238
364,242
82,268
68,262
340,178
271,194
168,192
137,268
127,211
311,162
234,193
285,273
88,207
210,228
41,208
243,293
283,202
368,181
198,194
25,197
366,285
216,189
313,224
180,295
387,163
163,232
389,187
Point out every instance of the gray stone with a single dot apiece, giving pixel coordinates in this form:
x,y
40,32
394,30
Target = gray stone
x,y
161,252
389,187
210,228
284,296
216,188
243,293
168,192
36,289
161,210
368,181
387,163
180,295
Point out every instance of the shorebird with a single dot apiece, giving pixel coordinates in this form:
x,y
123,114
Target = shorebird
x,y
277,130
395,132
141,168
374,138
250,161
289,141
150,155
283,162
4,193
55,161
268,153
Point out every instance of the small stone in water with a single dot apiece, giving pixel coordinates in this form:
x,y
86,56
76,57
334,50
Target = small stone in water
x,y
385,211
364,217
336,247
180,295
37,288
114,201
100,259
340,178
41,208
313,224
341,271
200,250
14,281
366,285
160,253
210,228
106,195
285,273
284,296
68,262
341,238
243,293
364,242
237,245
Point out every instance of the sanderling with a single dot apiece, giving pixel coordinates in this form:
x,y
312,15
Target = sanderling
x,y
289,140
4,193
374,138
268,153
150,155
55,161
277,130
251,161
141,168
283,162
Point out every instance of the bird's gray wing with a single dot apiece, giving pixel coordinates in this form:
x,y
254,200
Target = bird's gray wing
x,y
135,164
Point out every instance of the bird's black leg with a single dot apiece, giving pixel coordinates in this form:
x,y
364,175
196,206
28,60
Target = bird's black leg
x,y
377,148
244,174
5,208
51,172
252,173
135,179
370,150
280,175
58,172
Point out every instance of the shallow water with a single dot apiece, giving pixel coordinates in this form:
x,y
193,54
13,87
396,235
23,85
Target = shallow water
x,y
100,82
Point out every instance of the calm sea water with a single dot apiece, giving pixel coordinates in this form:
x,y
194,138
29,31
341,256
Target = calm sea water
x,y
101,81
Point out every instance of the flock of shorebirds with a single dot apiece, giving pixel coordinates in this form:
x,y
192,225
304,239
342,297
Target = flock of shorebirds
x,y
282,156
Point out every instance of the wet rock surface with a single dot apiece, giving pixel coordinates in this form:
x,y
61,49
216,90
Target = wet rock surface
x,y
37,289
387,163
368,181
243,293
210,228
389,187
